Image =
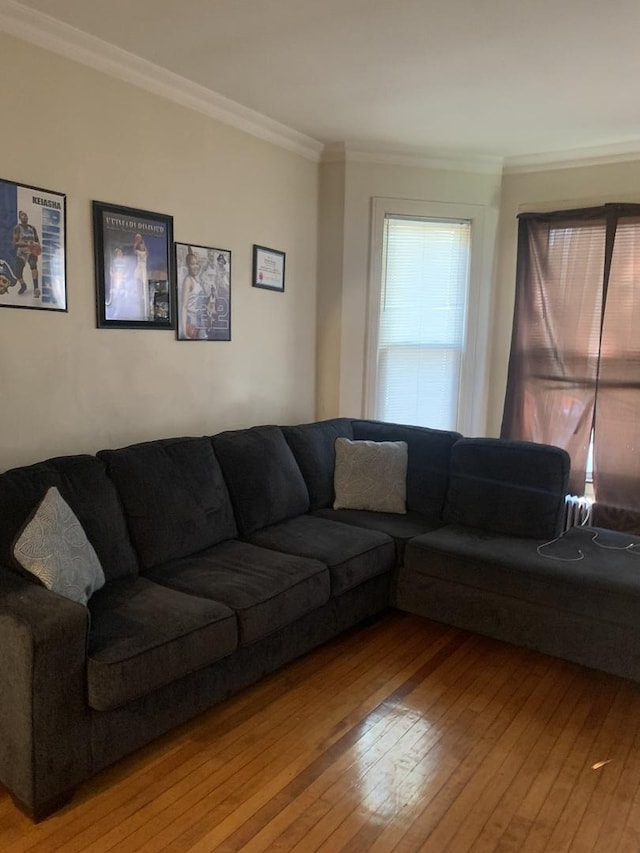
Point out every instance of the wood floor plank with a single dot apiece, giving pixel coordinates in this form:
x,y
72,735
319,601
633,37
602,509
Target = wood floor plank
x,y
234,758
588,780
506,787
394,792
151,794
440,820
497,832
564,734
613,823
482,794
568,777
612,752
404,735
459,736
630,840
324,781
257,784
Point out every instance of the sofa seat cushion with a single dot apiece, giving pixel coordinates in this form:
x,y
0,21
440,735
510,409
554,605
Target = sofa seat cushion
x,y
352,554
267,590
401,528
144,636
602,584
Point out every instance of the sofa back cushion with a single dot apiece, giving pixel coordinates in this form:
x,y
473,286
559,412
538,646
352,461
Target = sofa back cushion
x,y
83,483
511,487
174,497
313,446
429,453
263,477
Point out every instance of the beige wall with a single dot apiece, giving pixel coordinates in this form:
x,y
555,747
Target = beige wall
x,y
364,181
555,189
330,264
68,387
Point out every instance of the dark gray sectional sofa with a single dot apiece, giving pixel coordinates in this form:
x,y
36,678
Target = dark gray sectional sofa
x,y
224,559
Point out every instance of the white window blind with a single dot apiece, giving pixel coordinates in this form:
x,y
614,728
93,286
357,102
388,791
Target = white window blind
x,y
421,329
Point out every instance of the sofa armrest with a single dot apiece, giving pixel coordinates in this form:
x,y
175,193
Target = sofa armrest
x,y
44,718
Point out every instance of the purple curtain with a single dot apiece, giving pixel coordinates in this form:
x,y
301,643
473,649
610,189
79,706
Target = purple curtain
x,y
616,444
575,352
553,365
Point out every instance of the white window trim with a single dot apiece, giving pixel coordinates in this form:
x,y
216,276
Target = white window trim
x,y
472,407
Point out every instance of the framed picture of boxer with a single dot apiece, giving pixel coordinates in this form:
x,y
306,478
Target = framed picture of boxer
x,y
135,281
32,247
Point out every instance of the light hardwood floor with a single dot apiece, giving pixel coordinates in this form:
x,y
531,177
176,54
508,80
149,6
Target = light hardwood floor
x,y
404,735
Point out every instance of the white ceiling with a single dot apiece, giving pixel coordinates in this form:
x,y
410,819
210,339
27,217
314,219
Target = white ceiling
x,y
494,78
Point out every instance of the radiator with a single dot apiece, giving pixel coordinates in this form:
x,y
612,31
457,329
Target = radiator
x,y
577,511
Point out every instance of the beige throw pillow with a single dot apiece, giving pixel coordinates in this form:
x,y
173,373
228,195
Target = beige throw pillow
x,y
371,475
54,547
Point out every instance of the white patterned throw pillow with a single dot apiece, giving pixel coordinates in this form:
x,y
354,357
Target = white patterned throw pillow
x,y
371,475
54,547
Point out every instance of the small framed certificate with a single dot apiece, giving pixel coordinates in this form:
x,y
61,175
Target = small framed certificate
x,y
268,268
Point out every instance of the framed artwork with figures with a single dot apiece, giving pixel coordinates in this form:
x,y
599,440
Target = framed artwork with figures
x,y
204,293
135,281
32,247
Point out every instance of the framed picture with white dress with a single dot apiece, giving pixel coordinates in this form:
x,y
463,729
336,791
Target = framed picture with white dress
x,y
135,280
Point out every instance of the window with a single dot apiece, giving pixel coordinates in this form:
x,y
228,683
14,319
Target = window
x,y
420,334
422,320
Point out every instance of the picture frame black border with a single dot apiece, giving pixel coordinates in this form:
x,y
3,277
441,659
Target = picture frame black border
x,y
254,278
99,208
178,303
63,200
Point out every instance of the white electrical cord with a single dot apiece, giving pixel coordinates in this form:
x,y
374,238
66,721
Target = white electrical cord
x,y
631,548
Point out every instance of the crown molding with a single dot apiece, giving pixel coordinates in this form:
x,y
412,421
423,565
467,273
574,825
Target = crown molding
x,y
53,35
57,37
599,156
364,152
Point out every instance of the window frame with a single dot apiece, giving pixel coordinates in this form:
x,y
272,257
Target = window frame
x,y
472,401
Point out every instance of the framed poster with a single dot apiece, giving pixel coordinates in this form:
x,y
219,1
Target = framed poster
x,y
204,293
32,247
268,268
134,267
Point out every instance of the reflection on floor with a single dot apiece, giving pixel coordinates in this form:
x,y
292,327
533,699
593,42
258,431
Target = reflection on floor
x,y
404,735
